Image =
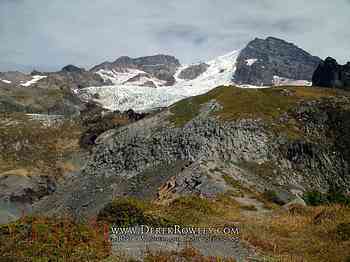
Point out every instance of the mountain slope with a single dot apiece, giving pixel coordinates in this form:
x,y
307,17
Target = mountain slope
x,y
140,98
264,61
277,139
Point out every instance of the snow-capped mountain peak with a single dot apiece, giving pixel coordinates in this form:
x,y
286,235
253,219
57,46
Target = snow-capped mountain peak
x,y
124,95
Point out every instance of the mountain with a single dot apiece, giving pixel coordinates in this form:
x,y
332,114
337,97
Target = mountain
x,y
150,82
263,62
330,74
128,93
288,141
161,67
203,152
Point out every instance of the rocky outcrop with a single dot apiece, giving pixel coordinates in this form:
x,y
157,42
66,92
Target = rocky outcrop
x,y
19,189
162,67
261,60
13,78
330,74
193,71
71,78
96,121
36,100
24,186
151,158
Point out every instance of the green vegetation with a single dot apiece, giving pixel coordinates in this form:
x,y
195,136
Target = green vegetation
x,y
294,236
46,239
343,231
272,196
231,181
334,195
125,212
30,145
188,254
267,104
33,100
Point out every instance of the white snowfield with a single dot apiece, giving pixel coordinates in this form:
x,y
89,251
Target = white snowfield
x,y
250,62
34,80
139,98
5,81
282,81
124,96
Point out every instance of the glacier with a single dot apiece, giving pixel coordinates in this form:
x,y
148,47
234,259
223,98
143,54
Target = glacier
x,y
124,96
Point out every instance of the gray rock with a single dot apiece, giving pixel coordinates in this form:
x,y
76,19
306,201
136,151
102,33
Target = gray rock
x,y
162,67
151,158
330,74
192,72
261,60
297,201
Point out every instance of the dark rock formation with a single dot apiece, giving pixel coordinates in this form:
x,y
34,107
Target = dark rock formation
x,y
330,74
162,67
261,60
72,69
39,101
15,78
71,78
96,120
193,71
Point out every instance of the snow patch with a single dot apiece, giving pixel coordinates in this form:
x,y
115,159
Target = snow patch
x,y
282,81
250,62
34,80
118,78
5,81
129,96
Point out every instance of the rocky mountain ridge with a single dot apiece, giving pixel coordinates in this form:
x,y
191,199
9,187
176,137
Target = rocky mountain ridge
x,y
199,144
330,74
262,60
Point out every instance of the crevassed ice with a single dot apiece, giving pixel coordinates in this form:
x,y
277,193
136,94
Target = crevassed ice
x,y
127,96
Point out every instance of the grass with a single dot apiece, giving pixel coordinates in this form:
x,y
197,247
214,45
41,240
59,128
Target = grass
x,y
27,144
294,236
47,239
36,100
187,254
267,104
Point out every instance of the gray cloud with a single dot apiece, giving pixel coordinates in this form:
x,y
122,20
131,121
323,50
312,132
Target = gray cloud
x,y
50,34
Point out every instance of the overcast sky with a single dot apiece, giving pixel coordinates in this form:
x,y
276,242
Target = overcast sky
x,y
48,34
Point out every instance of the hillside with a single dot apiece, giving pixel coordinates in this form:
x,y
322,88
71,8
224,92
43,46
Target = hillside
x,y
260,148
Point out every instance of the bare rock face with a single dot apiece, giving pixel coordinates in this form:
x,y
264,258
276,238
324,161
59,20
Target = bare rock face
x,y
262,59
162,67
13,78
330,74
151,159
19,189
193,71
71,78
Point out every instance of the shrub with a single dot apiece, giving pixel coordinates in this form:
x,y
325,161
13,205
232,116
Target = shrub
x,y
335,195
315,198
272,196
125,212
122,212
343,231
